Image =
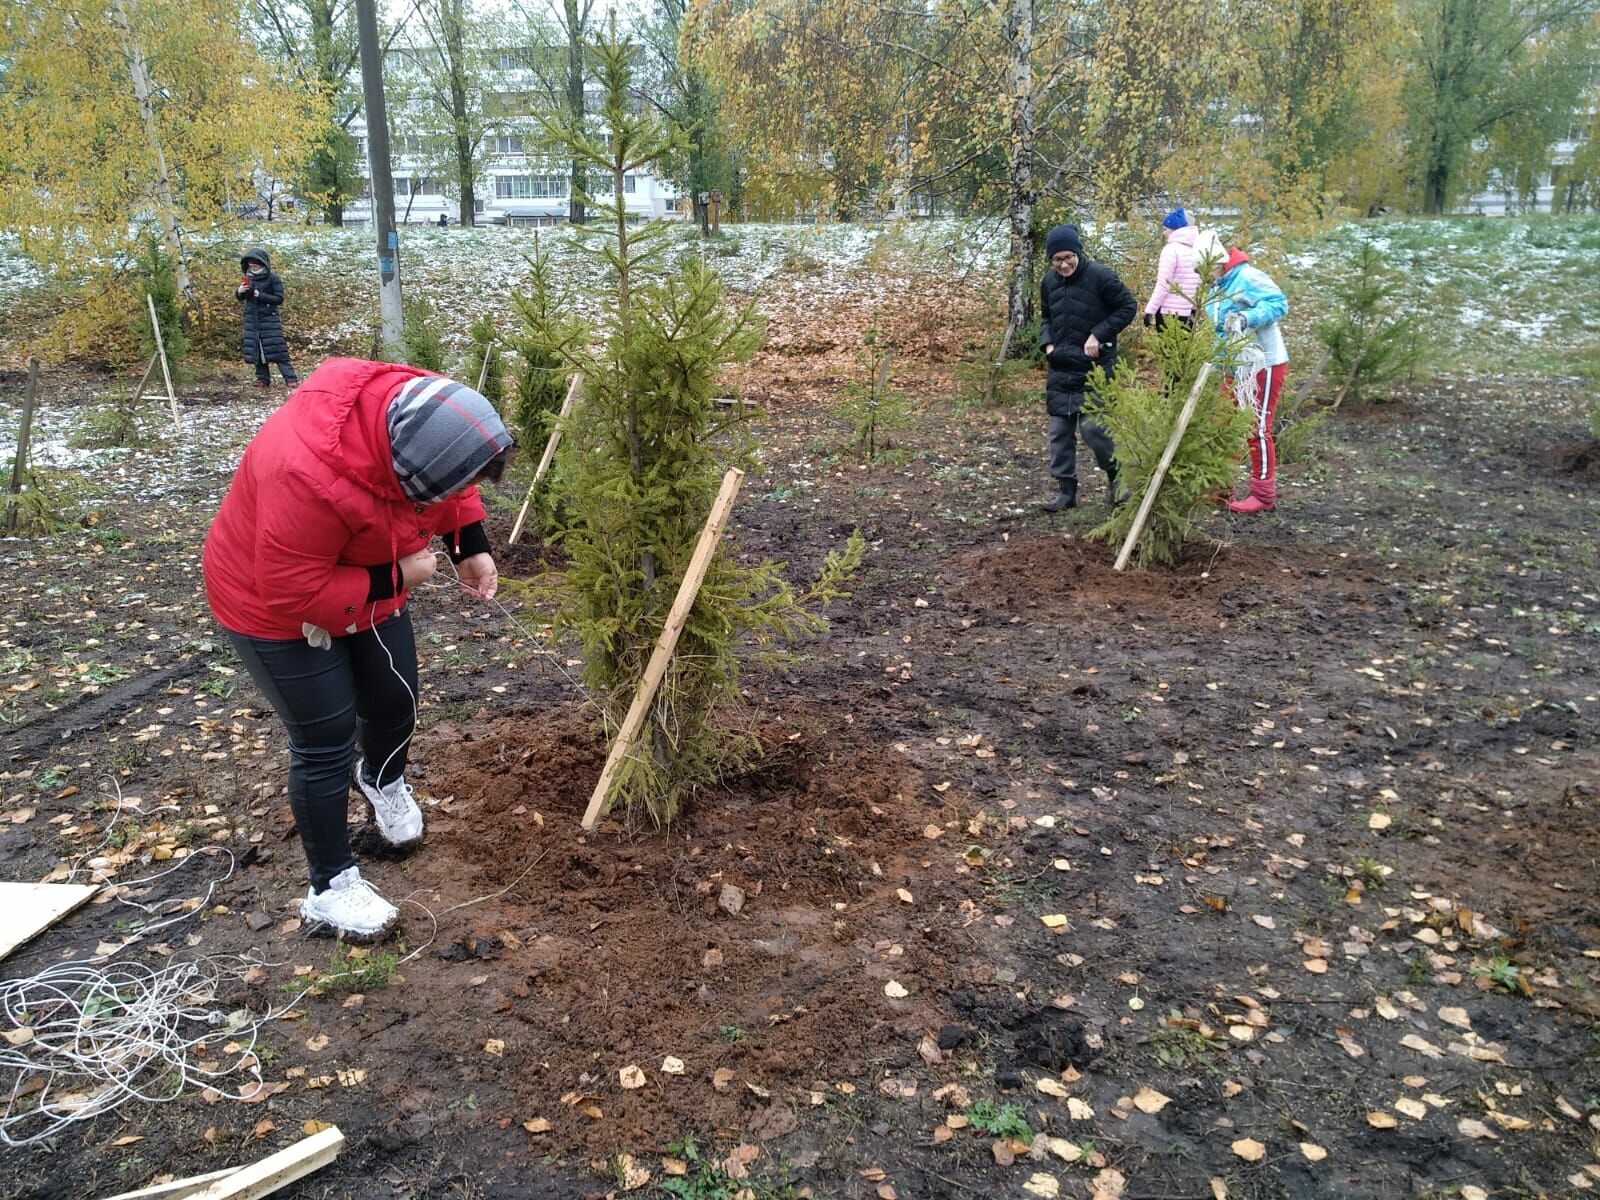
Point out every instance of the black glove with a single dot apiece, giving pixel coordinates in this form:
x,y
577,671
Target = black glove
x,y
1149,320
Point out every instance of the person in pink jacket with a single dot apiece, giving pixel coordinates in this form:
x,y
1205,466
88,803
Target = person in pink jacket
x,y
1177,279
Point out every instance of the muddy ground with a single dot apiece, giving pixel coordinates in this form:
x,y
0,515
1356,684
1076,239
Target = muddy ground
x,y
1270,874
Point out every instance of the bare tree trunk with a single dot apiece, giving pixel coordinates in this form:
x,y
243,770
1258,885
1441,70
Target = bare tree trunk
x,y
166,203
1017,32
577,18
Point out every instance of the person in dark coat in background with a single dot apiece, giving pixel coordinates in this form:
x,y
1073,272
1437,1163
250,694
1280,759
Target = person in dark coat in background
x,y
1083,306
261,293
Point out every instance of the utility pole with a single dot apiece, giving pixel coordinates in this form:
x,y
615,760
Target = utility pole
x,y
378,172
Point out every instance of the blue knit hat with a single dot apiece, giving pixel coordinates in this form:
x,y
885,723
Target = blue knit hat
x,y
442,435
1063,237
1176,219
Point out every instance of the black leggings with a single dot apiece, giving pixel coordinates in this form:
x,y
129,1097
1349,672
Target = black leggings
x,y
365,687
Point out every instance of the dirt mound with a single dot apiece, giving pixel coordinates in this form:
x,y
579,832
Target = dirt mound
x,y
1209,579
619,949
1582,461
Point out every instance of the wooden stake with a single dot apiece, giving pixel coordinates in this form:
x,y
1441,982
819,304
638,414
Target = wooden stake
x,y
656,669
178,1189
483,375
149,370
548,456
278,1170
161,352
19,466
1167,456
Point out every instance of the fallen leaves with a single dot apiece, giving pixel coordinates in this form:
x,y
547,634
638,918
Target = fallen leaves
x,y
1040,1184
1057,921
537,1125
1312,1152
1149,1101
1382,1120
1249,1149
631,1077
895,990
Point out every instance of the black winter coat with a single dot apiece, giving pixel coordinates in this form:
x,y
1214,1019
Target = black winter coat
x,y
1091,300
263,331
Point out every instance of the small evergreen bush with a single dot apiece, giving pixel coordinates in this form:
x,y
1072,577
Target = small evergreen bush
x,y
422,341
1372,342
160,280
1140,418
873,406
486,342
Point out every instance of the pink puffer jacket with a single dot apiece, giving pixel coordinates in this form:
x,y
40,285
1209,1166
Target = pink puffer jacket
x,y
1176,278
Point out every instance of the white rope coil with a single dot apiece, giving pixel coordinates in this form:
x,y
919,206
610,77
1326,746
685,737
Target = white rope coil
x,y
93,1037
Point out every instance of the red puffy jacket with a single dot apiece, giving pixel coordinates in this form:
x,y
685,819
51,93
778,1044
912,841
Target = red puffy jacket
x,y
314,503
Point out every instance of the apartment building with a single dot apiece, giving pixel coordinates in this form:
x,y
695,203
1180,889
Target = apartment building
x,y
517,184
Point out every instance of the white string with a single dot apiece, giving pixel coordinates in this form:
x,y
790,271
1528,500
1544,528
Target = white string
x,y
104,1035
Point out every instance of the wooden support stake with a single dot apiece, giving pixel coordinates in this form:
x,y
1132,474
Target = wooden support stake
x,y
548,456
483,375
1167,456
178,1189
278,1170
19,466
161,352
149,370
656,669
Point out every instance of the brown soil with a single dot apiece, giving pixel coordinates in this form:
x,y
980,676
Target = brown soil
x,y
1582,461
1336,764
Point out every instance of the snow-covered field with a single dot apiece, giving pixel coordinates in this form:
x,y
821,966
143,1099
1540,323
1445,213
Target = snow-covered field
x,y
1492,294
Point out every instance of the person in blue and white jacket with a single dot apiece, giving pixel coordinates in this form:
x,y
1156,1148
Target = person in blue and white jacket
x,y
1246,305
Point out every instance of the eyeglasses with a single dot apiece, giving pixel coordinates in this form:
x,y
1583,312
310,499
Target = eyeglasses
x,y
1064,256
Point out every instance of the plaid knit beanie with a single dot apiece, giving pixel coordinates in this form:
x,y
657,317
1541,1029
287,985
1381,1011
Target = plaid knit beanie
x,y
442,435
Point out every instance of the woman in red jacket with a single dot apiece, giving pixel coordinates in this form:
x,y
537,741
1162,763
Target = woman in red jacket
x,y
307,567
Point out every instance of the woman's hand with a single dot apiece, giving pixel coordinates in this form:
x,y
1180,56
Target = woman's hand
x,y
479,575
418,568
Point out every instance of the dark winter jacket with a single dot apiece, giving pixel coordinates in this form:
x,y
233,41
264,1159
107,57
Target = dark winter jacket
x,y
263,331
1091,300
316,516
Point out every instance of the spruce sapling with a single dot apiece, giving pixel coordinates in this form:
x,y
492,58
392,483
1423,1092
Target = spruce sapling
x,y
645,451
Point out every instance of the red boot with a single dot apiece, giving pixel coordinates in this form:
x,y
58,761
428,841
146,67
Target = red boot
x,y
1263,497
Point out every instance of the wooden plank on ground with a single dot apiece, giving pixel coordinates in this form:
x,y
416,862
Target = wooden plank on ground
x,y
27,909
177,1189
278,1170
656,669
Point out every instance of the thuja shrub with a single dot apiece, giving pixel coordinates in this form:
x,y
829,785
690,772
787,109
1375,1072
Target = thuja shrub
x,y
1140,417
646,449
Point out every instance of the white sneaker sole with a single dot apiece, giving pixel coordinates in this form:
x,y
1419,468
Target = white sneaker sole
x,y
320,927
394,847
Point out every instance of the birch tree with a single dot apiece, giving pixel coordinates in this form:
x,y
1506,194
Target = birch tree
x,y
315,40
119,109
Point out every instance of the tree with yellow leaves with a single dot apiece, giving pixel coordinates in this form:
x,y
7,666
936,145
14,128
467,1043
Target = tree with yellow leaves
x,y
120,113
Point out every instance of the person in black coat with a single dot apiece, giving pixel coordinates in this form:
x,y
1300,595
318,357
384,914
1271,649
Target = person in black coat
x,y
261,293
1083,306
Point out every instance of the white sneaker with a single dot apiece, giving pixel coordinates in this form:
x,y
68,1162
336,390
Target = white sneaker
x,y
394,809
352,907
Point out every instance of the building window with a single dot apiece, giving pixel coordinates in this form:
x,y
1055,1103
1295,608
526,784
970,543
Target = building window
x,y
529,187
508,143
630,184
